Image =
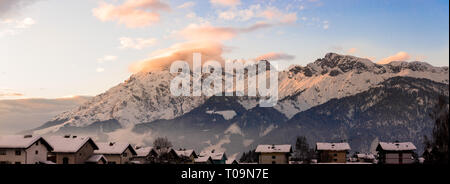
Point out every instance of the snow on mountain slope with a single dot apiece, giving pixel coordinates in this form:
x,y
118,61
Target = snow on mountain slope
x,y
145,97
338,76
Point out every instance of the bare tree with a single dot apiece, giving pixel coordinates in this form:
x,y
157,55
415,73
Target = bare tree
x,y
162,143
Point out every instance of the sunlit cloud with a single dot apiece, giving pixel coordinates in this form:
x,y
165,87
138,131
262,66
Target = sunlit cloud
x,y
136,43
400,56
161,59
352,50
14,27
186,5
209,32
274,56
132,13
270,13
100,70
106,58
226,2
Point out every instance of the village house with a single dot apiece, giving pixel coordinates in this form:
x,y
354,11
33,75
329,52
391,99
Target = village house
x,y
97,159
71,149
145,155
396,152
28,149
274,154
217,157
332,152
365,157
116,152
203,160
187,156
167,156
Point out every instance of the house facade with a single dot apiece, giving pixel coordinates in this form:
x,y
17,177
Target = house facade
x,y
396,152
332,152
28,149
97,159
71,149
217,157
187,156
116,152
274,154
145,155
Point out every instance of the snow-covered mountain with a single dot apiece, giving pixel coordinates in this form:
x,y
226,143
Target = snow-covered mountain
x,y
145,99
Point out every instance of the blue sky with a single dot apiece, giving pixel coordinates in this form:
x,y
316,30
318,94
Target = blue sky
x,y
54,49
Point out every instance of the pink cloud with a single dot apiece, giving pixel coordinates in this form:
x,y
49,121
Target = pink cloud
x,y
161,59
225,2
400,56
211,33
132,13
274,56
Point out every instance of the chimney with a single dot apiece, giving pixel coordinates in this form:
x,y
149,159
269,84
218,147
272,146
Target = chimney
x,y
67,136
27,136
74,136
111,143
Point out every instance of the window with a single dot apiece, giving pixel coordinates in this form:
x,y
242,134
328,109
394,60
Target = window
x,y
18,152
36,152
124,154
273,162
335,155
2,152
274,157
37,143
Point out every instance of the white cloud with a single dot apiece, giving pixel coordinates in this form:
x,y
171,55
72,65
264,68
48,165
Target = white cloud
x,y
106,58
14,27
136,43
100,70
186,5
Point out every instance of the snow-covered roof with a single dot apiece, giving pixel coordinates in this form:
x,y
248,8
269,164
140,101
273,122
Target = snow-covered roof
x,y
185,153
113,148
343,146
365,156
143,152
19,141
96,158
69,144
274,148
397,146
202,159
214,155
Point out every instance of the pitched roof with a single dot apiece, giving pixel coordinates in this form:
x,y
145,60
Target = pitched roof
x,y
343,146
96,158
143,152
113,148
20,141
274,149
397,146
69,144
214,155
186,153
203,159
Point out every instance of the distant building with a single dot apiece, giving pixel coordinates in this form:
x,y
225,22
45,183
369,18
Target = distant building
x,y
396,152
274,154
332,152
71,149
116,152
167,156
28,149
203,160
145,155
187,156
365,157
97,159
217,157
